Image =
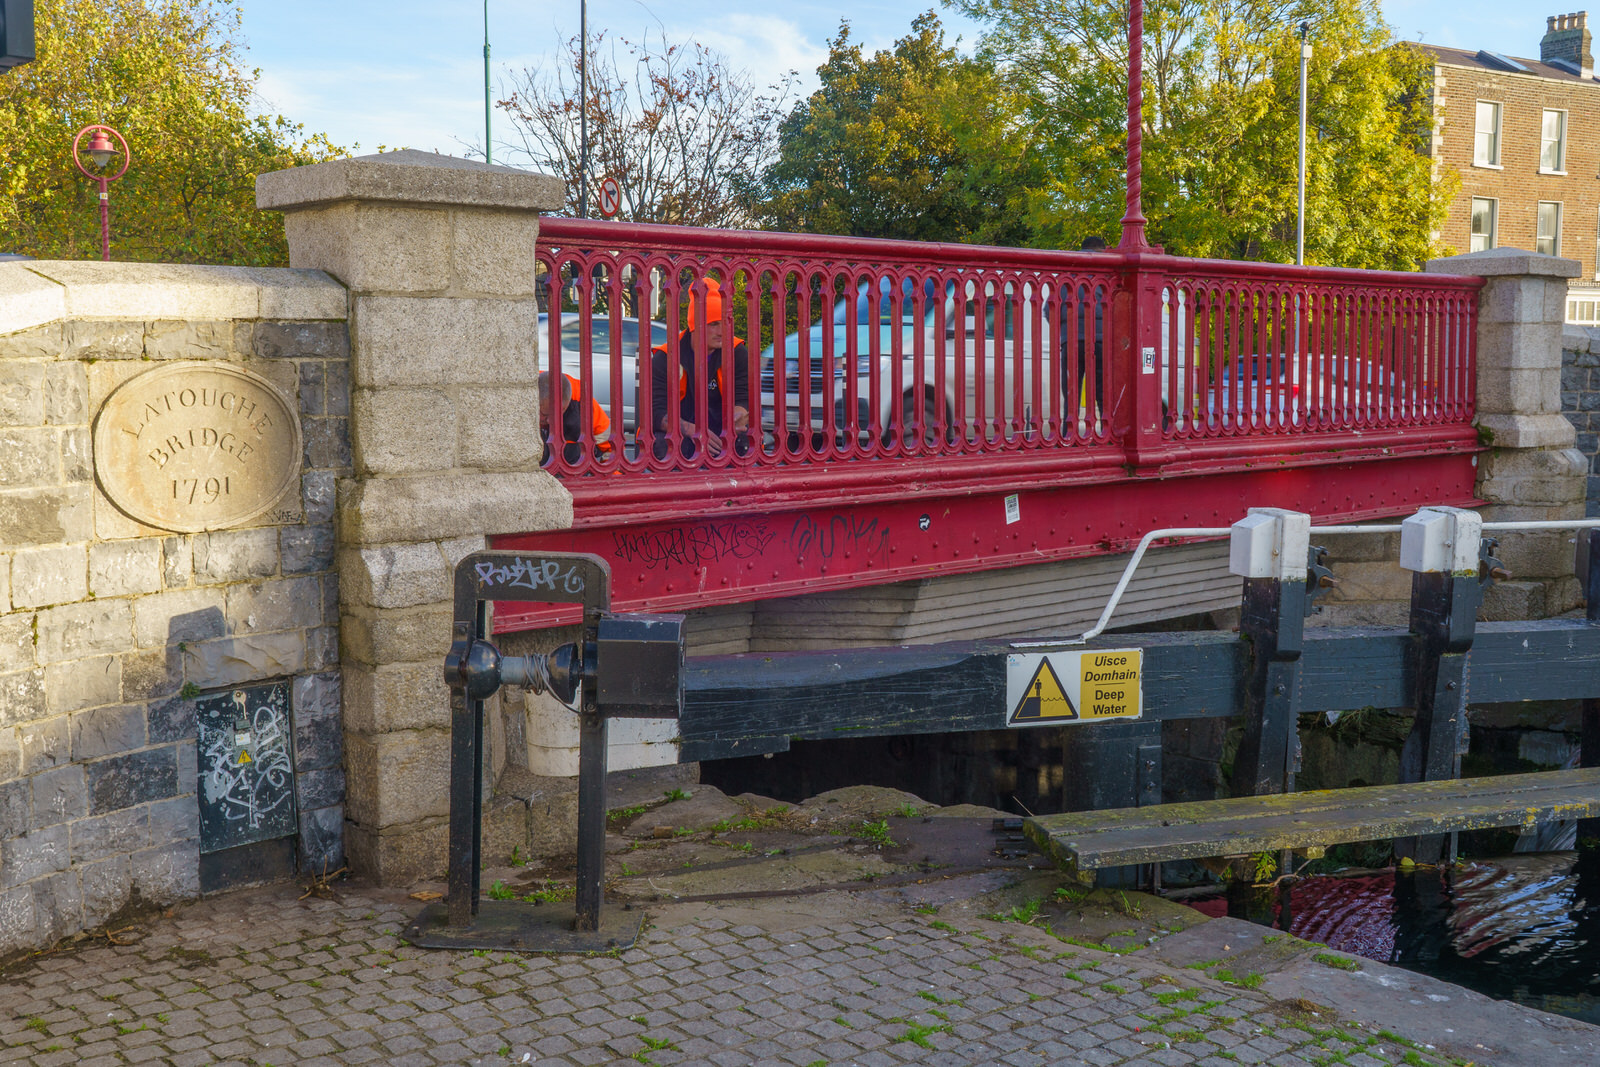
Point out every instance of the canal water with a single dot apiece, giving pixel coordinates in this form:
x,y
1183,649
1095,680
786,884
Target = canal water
x,y
1524,928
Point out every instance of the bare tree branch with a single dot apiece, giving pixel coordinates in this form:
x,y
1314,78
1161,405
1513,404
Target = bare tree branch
x,y
683,134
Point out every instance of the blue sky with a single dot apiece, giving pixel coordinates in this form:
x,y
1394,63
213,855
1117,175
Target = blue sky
x,y
409,73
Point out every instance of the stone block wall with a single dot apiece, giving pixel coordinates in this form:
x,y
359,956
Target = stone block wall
x,y
1580,401
438,255
1530,470
109,628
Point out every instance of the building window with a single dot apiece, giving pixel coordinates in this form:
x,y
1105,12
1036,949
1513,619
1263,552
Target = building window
x,y
1583,311
1486,140
1483,211
1548,240
1553,142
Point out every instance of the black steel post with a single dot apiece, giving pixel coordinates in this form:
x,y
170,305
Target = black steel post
x,y
1444,619
1272,626
591,816
462,899
480,631
1111,765
1589,753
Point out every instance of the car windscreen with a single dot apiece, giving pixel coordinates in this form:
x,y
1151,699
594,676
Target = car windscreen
x,y
600,331
885,312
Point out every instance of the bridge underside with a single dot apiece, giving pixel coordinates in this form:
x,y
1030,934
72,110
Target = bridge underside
x,y
695,554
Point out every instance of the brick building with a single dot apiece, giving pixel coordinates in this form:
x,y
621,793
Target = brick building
x,y
1525,136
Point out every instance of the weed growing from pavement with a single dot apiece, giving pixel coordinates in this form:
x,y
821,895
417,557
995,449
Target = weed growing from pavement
x,y
677,794
875,832
918,1034
617,816
1340,963
1101,946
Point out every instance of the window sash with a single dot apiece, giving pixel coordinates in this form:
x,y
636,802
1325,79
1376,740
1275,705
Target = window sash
x,y
1483,220
1486,138
1547,241
1552,141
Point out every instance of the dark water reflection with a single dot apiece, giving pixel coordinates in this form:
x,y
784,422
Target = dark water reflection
x,y
1524,928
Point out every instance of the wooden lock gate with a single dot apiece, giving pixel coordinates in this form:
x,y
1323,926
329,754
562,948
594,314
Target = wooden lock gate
x,y
1126,687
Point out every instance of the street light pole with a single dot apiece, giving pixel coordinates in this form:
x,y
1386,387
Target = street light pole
x,y
100,151
583,109
488,141
1300,223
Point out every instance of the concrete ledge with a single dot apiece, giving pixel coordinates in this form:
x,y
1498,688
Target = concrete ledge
x,y
1501,261
27,299
433,507
409,177
36,292
1528,431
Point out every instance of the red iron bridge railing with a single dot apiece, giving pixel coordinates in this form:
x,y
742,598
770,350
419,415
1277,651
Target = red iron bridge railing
x,y
959,362
877,411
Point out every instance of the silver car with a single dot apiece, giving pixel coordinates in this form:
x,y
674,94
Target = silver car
x,y
1001,334
602,341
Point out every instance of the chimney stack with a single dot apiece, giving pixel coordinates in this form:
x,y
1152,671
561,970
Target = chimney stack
x,y
1567,37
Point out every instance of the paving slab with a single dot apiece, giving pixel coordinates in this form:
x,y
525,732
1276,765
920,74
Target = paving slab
x,y
922,947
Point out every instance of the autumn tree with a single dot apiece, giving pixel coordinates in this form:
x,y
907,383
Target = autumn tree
x,y
169,75
917,143
1221,126
681,131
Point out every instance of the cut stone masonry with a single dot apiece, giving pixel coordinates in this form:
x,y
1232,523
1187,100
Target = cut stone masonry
x,y
108,628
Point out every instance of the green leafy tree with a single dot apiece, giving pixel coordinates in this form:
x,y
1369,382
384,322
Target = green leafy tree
x,y
168,75
918,143
1220,126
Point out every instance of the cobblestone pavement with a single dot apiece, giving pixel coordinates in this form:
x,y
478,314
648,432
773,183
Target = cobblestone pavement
x,y
258,977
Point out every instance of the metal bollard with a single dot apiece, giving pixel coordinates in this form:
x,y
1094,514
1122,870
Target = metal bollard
x,y
621,665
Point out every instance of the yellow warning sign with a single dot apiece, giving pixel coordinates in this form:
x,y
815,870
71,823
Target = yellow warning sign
x,y
1044,699
1054,688
1109,684
244,757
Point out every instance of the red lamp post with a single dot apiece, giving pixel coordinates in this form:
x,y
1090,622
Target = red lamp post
x,y
100,151
1133,220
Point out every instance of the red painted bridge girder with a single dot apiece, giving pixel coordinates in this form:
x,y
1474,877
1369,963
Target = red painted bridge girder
x,y
731,554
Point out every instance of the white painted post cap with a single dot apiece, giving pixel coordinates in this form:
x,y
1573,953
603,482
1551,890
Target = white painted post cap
x,y
1441,540
1270,543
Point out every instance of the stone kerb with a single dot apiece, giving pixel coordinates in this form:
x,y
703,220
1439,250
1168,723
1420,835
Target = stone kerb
x,y
438,255
1531,470
110,628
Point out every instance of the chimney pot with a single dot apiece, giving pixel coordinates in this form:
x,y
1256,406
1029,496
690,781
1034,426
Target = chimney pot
x,y
1567,38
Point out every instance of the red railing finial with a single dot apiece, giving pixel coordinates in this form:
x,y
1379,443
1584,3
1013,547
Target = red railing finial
x,y
1133,221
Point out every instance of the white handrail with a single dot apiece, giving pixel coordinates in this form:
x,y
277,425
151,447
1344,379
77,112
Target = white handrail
x,y
1222,531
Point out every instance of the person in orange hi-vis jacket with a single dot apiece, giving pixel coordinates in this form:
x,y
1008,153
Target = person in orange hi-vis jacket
x,y
689,375
572,420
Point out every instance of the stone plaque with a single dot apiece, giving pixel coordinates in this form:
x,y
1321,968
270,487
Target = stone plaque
x,y
196,446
